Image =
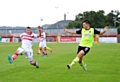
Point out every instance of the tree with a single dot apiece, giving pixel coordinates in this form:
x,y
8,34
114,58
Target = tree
x,y
98,19
74,24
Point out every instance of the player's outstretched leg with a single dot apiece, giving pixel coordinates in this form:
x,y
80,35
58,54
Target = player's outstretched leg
x,y
38,52
48,48
68,66
14,56
34,63
9,59
42,51
37,65
77,59
45,51
83,65
73,62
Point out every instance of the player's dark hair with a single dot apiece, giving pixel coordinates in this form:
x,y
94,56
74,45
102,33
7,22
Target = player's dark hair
x,y
39,26
28,27
86,21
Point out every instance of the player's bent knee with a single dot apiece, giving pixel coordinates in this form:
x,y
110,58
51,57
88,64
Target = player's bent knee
x,y
20,50
81,53
31,62
30,58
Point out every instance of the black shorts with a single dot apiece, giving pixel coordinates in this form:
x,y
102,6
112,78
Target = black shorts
x,y
85,49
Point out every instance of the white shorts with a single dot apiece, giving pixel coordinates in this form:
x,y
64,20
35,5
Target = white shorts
x,y
27,52
42,44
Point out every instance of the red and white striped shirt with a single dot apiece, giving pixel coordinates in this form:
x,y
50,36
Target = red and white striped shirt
x,y
27,40
43,37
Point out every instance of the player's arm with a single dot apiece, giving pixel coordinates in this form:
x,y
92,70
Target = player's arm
x,y
72,32
101,32
104,30
11,34
39,34
69,31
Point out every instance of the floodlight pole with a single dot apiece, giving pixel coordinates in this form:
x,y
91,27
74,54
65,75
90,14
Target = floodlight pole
x,y
114,18
41,19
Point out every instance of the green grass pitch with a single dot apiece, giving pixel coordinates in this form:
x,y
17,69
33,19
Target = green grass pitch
x,y
103,63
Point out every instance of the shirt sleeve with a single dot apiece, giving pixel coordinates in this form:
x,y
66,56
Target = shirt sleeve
x,y
96,31
78,31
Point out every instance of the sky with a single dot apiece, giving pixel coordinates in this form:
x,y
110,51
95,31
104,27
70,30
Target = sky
x,y
30,12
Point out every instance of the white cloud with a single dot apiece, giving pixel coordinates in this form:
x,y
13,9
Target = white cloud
x,y
29,12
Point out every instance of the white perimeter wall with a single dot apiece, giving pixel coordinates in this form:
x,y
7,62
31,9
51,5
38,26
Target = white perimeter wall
x,y
72,39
